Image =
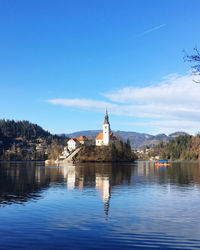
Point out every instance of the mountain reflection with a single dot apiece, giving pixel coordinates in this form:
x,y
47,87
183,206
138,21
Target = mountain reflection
x,y
22,182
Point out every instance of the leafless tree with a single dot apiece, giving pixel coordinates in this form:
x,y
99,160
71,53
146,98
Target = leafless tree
x,y
194,59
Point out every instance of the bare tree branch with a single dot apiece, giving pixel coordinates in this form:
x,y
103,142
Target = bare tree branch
x,y
195,60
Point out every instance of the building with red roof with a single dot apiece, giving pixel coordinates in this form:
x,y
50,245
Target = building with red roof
x,y
83,140
72,144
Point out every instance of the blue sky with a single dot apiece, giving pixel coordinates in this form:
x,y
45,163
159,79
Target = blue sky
x,y
62,63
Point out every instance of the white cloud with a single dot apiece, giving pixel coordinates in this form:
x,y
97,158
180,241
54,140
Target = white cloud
x,y
173,90
84,104
173,104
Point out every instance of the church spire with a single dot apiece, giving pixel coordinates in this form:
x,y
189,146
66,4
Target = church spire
x,y
106,118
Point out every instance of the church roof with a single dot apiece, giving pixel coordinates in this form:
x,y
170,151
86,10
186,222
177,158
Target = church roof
x,y
82,138
73,139
99,136
106,118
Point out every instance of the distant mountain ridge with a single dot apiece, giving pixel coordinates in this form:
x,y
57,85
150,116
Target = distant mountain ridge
x,y
138,140
11,130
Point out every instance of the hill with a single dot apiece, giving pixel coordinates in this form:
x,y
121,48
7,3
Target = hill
x,y
22,140
137,140
183,147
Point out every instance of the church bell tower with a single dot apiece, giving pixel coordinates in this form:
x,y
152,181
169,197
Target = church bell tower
x,y
106,131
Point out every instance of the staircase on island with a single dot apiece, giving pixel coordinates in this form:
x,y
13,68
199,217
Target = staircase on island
x,y
71,156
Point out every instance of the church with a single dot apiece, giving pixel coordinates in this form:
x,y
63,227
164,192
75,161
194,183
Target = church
x,y
106,137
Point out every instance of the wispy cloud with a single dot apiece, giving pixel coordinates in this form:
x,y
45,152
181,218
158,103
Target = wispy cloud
x,y
172,104
174,90
84,104
151,30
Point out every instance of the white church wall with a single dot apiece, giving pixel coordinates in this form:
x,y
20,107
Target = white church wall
x,y
99,142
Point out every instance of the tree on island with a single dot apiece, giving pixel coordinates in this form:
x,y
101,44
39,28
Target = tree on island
x,y
118,152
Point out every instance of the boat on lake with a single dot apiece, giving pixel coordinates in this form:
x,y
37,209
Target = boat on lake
x,y
162,163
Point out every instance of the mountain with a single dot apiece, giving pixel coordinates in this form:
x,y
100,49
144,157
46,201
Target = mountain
x,y
177,134
21,136
87,133
137,140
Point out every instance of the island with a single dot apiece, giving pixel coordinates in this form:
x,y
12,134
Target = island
x,y
107,147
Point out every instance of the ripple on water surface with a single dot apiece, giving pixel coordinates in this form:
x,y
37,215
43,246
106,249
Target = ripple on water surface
x,y
95,206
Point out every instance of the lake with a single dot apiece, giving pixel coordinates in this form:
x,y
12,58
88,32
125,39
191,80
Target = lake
x,y
99,206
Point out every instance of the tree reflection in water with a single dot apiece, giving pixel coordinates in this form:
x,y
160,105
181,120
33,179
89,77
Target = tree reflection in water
x,y
22,182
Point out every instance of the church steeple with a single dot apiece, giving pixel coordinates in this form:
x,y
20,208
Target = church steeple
x,y
106,130
106,118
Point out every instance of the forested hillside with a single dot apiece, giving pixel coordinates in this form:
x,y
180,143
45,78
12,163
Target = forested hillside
x,y
22,140
10,129
183,147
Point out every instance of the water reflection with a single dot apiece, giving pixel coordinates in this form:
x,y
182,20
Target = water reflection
x,y
112,206
21,182
103,184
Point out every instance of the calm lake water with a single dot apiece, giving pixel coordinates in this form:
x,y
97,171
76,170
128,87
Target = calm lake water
x,y
95,206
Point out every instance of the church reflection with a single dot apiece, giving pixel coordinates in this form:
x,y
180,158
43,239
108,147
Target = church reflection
x,y
80,177
103,184
20,183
